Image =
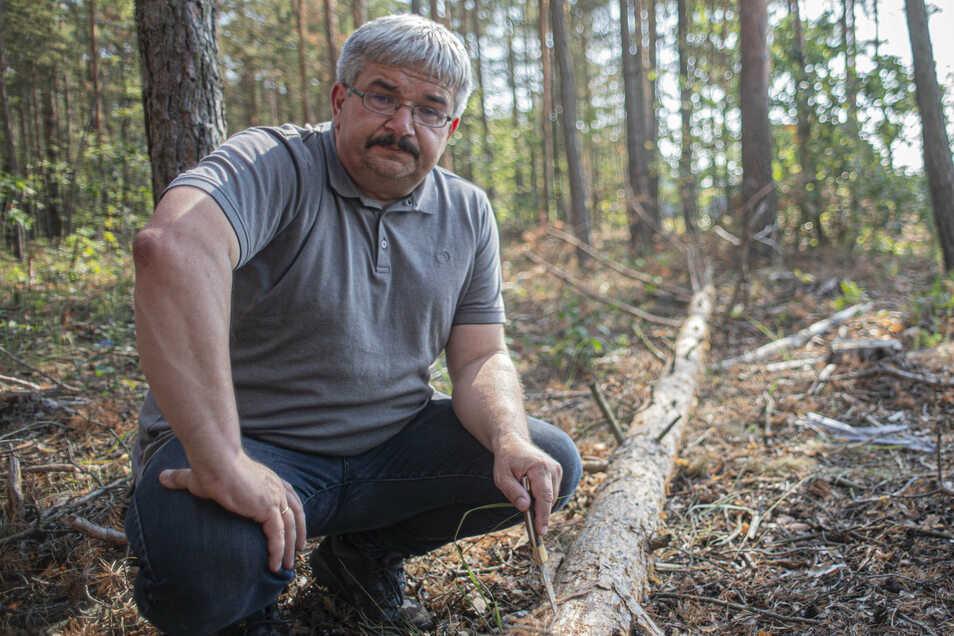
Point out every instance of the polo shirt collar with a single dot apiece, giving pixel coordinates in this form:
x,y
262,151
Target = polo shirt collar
x,y
422,199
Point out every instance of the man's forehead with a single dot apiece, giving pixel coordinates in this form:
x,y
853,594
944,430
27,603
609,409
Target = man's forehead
x,y
400,77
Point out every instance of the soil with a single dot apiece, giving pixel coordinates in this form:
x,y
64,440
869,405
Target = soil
x,y
773,525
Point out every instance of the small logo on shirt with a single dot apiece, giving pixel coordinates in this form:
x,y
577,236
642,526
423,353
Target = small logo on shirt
x,y
443,256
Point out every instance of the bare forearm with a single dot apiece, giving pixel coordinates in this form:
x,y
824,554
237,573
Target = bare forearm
x,y
182,297
488,401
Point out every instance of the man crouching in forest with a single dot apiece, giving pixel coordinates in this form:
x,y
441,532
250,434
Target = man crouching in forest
x,y
291,293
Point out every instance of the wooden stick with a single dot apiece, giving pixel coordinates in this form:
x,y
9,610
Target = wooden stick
x,y
797,339
592,293
14,490
594,466
607,411
932,381
682,294
90,529
11,380
35,370
737,606
51,468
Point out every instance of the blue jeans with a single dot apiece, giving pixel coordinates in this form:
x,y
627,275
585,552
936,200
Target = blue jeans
x,y
203,567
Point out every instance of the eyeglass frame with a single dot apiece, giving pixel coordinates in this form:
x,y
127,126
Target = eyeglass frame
x,y
400,105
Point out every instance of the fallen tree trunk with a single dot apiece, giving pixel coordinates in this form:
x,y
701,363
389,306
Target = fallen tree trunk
x,y
601,581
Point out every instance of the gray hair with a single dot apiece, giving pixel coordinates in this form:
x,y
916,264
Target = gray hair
x,y
412,42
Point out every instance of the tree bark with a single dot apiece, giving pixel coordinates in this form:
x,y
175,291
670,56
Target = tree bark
x,y
10,157
16,234
331,37
181,86
652,105
756,131
847,223
300,20
486,142
936,146
687,183
580,215
606,569
53,221
514,105
635,106
808,198
94,71
359,12
546,111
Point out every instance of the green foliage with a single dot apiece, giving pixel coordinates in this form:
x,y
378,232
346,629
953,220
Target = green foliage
x,y
581,338
933,313
851,294
68,310
863,195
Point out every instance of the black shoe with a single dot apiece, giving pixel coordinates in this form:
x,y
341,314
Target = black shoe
x,y
265,622
373,585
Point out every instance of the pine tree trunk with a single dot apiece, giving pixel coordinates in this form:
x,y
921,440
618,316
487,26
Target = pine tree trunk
x,y
359,12
10,156
181,86
94,71
938,163
331,37
808,187
514,105
579,216
546,111
300,20
652,104
759,199
486,142
638,173
53,221
687,184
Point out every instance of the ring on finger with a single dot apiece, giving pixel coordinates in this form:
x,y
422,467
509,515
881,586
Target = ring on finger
x,y
283,511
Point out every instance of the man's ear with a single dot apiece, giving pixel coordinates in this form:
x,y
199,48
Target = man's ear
x,y
338,94
453,126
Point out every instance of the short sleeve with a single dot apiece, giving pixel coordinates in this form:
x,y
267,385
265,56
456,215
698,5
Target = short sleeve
x,y
482,301
256,178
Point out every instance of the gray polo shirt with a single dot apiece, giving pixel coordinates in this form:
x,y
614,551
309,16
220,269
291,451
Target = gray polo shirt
x,y
339,305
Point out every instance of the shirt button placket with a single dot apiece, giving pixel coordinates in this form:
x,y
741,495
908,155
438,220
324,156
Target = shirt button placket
x,y
384,251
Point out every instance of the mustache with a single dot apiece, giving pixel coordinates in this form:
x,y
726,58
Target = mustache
x,y
401,143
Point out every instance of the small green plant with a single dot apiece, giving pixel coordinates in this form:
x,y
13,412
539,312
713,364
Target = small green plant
x,y
580,340
933,313
851,294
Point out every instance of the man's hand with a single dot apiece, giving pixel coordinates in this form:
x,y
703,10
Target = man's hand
x,y
251,490
517,458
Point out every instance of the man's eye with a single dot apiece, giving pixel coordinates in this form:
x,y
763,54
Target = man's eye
x,y
382,101
429,114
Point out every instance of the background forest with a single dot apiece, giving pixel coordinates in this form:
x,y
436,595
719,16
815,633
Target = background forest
x,y
75,162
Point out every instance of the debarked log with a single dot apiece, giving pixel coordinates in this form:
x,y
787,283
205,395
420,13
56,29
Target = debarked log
x,y
600,583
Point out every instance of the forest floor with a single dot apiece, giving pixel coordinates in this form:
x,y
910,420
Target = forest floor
x,y
774,524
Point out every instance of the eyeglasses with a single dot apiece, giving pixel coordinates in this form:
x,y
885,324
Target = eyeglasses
x,y
389,105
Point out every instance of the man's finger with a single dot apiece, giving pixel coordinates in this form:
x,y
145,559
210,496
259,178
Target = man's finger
x,y
513,491
289,537
542,488
274,531
175,478
298,510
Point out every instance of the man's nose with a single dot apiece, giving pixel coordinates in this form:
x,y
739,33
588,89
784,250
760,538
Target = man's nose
x,y
402,121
